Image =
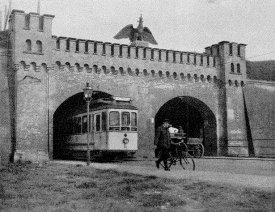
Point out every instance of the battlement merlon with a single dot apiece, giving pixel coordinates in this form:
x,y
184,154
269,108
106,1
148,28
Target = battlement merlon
x,y
227,48
68,45
19,20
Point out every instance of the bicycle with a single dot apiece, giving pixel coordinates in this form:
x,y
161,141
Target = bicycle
x,y
179,153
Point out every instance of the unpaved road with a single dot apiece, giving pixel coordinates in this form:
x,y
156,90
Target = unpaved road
x,y
236,173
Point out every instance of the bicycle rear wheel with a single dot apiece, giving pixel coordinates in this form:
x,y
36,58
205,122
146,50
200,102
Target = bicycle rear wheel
x,y
187,162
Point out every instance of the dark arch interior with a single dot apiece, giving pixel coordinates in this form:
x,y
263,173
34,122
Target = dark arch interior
x,y
195,117
68,107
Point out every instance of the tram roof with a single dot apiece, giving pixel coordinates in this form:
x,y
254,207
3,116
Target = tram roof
x,y
117,105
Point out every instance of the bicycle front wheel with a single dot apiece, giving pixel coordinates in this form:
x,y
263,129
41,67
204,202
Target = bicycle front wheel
x,y
187,162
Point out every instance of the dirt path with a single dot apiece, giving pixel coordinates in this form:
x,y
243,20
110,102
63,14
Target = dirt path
x,y
245,180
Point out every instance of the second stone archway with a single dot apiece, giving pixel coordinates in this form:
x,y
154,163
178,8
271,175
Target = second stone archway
x,y
196,118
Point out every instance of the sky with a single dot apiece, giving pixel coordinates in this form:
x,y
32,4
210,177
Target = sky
x,y
184,25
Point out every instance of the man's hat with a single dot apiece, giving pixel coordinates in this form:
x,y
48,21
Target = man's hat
x,y
166,120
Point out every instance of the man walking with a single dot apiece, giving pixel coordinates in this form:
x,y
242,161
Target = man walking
x,y
163,143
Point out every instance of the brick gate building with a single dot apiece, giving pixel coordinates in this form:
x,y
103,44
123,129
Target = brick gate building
x,y
40,71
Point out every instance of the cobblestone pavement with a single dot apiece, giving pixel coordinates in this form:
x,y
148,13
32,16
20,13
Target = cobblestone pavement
x,y
260,179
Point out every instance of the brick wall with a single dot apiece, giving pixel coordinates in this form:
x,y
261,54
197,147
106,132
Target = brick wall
x,y
260,99
43,80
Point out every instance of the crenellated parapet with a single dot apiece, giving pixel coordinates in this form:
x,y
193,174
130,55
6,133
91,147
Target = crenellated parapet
x,y
79,46
31,21
35,45
228,48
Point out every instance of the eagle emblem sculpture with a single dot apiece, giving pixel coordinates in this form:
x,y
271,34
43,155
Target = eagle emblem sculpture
x,y
136,34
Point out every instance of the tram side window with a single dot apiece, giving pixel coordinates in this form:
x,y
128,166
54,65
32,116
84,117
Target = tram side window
x,y
92,122
84,124
68,127
97,122
114,121
125,121
103,121
134,121
77,125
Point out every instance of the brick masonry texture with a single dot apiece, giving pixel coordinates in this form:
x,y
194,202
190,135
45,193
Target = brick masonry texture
x,y
35,82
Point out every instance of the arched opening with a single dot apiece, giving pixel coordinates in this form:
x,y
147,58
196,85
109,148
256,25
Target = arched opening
x,y
209,78
44,67
57,65
145,73
39,46
175,75
153,73
87,68
77,67
75,103
196,78
232,67
113,70
130,72
95,67
160,74
33,66
195,117
137,72
238,68
28,45
67,66
105,71
182,76
22,65
121,71
202,78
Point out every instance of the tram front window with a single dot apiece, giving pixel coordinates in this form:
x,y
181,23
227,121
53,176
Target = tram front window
x,y
97,125
114,120
125,121
134,121
103,121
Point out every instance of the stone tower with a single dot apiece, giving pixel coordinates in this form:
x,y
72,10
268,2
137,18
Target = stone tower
x,y
231,80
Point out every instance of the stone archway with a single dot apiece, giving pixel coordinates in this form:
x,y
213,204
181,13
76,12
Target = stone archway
x,y
195,117
65,109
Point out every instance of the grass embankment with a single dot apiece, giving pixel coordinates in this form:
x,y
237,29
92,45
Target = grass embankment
x,y
54,187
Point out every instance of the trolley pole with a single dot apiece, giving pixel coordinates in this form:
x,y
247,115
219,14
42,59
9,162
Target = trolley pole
x,y
88,92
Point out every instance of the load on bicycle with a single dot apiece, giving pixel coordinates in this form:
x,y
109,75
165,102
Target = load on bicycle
x,y
193,145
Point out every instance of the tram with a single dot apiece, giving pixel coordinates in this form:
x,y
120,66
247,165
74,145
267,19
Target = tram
x,y
113,129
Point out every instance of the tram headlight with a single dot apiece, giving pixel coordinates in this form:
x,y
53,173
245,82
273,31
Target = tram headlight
x,y
125,140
